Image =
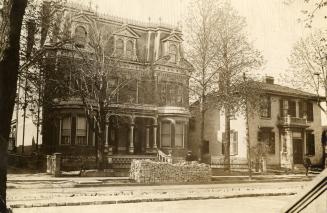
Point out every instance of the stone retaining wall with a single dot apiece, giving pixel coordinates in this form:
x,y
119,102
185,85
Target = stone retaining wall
x,y
147,171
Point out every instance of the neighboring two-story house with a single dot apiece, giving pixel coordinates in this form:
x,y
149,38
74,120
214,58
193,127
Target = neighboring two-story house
x,y
289,124
149,113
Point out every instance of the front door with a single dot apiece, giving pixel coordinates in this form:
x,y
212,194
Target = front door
x,y
298,151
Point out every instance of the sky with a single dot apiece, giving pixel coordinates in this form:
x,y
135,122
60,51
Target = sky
x,y
273,25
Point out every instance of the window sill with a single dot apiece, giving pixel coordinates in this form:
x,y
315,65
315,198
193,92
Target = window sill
x,y
265,118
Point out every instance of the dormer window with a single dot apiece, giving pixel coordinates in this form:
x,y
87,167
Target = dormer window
x,y
80,36
125,43
120,47
173,53
129,49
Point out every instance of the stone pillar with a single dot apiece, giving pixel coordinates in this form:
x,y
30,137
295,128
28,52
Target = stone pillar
x,y
49,164
147,138
57,164
289,148
155,125
131,139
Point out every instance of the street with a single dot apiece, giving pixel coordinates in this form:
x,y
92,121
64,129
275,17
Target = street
x,y
271,204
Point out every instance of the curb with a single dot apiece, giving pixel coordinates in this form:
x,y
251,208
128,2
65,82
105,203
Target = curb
x,y
165,199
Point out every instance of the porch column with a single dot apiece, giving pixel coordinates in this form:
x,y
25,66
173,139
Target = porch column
x,y
297,108
155,125
60,127
147,138
131,138
107,127
289,148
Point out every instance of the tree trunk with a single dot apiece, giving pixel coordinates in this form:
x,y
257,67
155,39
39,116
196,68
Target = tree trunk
x,y
202,111
227,145
9,66
248,141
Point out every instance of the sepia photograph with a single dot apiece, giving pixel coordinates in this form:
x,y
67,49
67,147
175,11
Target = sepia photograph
x,y
163,106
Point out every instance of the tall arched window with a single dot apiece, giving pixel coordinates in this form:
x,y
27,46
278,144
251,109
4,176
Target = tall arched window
x,y
80,36
120,47
129,49
173,53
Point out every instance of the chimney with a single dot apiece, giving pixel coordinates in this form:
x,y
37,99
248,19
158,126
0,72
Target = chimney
x,y
269,80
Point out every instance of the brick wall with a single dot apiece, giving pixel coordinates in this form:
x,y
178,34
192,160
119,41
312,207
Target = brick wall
x,y
147,171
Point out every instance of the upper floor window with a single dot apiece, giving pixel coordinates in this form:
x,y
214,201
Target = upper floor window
x,y
265,108
127,93
292,108
309,111
179,94
171,93
80,36
129,49
120,47
173,53
112,89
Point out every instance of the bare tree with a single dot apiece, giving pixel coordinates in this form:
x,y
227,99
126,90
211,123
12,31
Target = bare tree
x,y
308,61
94,67
9,66
201,50
236,56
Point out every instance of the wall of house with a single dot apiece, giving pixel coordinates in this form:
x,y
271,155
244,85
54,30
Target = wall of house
x,y
317,131
212,120
213,129
256,122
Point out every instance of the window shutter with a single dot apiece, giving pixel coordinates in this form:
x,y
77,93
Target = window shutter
x,y
223,143
310,111
281,108
301,109
259,136
235,143
272,143
269,107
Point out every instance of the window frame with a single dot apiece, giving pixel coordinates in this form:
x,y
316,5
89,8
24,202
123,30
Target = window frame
x,y
309,111
268,132
67,130
265,108
129,53
310,146
80,41
117,50
77,131
181,124
166,134
233,146
173,52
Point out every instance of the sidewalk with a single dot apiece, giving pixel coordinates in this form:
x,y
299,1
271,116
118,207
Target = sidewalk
x,y
42,180
22,198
